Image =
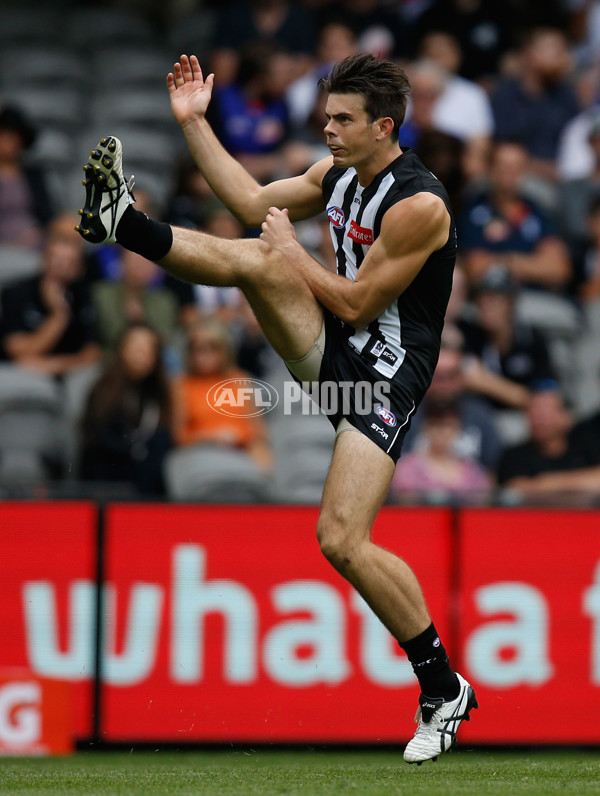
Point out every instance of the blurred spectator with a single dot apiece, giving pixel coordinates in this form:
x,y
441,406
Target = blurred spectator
x,y
554,458
587,258
437,466
377,25
126,427
48,320
108,266
222,302
307,144
463,109
483,30
476,438
191,196
25,205
254,353
444,155
336,41
501,224
503,357
284,23
576,157
250,116
428,82
210,361
576,195
534,107
134,299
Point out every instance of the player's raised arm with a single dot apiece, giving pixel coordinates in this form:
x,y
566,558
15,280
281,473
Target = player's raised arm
x,y
190,95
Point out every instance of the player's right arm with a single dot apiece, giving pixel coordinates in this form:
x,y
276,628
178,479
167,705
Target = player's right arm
x,y
190,96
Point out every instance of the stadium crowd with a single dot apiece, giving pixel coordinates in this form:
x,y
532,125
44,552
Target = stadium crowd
x,y
107,362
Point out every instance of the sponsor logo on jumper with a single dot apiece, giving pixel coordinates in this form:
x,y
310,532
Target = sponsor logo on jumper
x,y
336,216
360,234
379,430
388,417
389,355
378,348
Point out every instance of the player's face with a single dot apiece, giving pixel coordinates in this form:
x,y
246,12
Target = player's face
x,y
350,134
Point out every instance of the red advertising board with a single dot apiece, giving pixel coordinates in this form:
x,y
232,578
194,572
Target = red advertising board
x,y
226,624
530,624
47,596
35,715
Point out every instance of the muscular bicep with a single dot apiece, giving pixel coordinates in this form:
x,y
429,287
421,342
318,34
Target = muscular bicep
x,y
302,195
411,231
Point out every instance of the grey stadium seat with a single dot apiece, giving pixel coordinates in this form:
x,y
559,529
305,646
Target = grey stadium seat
x,y
30,424
51,66
131,67
60,108
149,108
18,262
215,474
94,26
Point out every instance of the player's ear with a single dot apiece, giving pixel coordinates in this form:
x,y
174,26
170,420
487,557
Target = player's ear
x,y
386,126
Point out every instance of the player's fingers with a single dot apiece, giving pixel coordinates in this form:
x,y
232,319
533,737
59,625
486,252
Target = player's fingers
x,y
186,69
196,68
178,74
171,81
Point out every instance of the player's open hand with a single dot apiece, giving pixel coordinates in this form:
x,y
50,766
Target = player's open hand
x,y
189,92
277,229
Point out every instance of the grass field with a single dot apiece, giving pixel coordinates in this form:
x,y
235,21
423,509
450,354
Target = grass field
x,y
301,772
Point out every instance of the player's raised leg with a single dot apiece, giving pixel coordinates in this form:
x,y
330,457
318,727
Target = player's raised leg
x,y
288,313
390,587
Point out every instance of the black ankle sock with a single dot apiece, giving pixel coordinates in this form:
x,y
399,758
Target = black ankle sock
x,y
138,233
431,665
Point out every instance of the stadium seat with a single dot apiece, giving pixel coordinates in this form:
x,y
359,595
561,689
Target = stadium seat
x,y
193,33
215,474
59,108
149,108
23,24
42,65
300,475
24,388
86,28
30,424
17,262
52,148
131,67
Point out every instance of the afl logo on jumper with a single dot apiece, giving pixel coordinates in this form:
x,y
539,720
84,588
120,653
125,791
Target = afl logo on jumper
x,y
388,417
336,216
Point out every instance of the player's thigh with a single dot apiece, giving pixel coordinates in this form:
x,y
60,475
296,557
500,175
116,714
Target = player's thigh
x,y
285,307
355,489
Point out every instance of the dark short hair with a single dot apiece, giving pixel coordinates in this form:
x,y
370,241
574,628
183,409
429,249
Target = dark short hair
x,y
383,84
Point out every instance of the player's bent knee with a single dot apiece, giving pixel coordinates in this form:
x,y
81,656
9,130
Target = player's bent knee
x,y
337,544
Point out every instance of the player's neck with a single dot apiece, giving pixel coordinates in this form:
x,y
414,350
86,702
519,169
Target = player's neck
x,y
369,169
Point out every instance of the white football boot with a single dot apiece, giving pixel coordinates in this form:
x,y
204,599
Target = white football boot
x,y
107,195
438,724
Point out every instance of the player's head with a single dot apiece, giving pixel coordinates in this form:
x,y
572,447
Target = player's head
x,y
383,85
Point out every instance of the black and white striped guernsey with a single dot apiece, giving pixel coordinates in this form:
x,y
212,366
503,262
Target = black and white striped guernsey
x,y
404,340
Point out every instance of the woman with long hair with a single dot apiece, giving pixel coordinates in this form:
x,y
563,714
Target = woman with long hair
x,y
127,421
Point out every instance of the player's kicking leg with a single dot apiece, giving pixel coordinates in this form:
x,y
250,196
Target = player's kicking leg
x,y
390,587
287,311
292,321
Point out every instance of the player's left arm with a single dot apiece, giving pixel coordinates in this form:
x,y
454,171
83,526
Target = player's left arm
x,y
411,230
